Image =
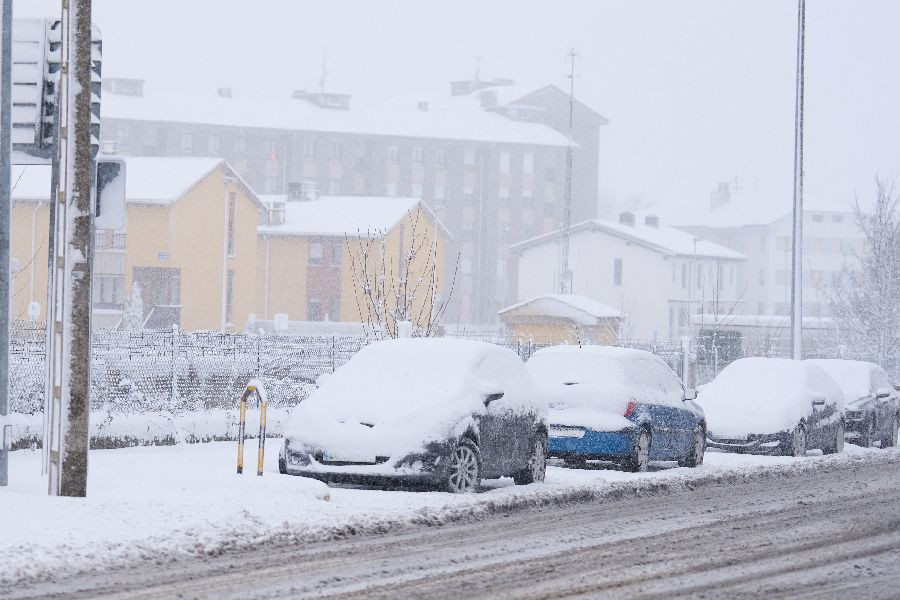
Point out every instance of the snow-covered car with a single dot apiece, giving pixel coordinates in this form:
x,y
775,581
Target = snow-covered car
x,y
617,404
438,412
871,404
773,406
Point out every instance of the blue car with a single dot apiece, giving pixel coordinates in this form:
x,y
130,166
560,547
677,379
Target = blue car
x,y
619,405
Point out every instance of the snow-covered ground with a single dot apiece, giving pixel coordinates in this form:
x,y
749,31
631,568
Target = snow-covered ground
x,y
150,503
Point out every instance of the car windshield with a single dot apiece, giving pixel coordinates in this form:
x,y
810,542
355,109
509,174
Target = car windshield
x,y
575,368
856,379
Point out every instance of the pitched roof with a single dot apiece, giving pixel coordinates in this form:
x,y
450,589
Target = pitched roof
x,y
662,239
367,216
300,115
580,309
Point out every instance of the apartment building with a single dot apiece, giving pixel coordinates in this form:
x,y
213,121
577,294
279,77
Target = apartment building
x,y
657,277
488,158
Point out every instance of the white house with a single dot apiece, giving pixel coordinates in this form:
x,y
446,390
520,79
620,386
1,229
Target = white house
x,y
656,276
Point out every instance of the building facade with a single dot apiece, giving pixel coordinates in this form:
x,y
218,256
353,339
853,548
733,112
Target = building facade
x,y
656,276
488,159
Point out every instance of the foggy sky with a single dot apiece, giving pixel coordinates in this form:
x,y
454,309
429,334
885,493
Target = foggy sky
x,y
696,92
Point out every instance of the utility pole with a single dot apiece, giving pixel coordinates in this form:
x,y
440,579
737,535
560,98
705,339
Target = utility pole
x,y
797,245
69,312
5,205
565,272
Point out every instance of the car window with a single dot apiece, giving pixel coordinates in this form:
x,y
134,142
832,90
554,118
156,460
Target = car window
x,y
879,380
655,381
506,371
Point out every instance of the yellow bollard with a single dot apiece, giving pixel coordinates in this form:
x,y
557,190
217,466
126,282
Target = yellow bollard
x,y
263,407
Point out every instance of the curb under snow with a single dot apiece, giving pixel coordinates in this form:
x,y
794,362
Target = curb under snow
x,y
62,561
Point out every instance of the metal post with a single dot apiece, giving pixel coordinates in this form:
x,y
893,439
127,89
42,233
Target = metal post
x,y
173,391
5,204
797,246
70,351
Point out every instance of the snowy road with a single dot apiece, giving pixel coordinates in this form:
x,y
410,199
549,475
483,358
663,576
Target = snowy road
x,y
794,533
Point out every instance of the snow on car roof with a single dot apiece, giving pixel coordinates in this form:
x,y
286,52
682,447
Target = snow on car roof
x,y
613,352
855,377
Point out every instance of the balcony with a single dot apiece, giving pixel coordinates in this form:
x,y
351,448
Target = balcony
x,y
107,241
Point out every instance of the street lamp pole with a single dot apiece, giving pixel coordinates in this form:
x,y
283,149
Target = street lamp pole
x,y
797,245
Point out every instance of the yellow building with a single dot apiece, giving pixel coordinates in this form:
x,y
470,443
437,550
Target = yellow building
x,y
189,244
30,227
351,259
562,319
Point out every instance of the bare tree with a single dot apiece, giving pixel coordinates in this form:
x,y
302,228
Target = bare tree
x,y
865,301
398,281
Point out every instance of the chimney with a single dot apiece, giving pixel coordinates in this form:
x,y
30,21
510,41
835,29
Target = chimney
x,y
652,221
626,218
224,92
277,212
422,105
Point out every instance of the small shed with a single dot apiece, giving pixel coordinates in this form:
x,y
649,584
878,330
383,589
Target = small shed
x,y
562,318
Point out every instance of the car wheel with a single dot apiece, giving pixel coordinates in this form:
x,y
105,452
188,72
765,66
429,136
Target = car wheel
x,y
464,470
698,449
537,463
639,461
837,445
798,441
282,467
890,438
868,436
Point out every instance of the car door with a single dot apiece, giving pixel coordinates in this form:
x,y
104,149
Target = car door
x,y
884,407
661,393
507,431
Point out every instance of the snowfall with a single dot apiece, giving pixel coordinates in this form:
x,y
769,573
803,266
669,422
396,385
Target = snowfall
x,y
174,502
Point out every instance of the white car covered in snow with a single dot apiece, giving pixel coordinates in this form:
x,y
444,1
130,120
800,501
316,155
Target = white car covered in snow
x,y
446,413
773,406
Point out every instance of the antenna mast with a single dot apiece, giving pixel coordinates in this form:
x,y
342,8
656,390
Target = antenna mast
x,y
565,273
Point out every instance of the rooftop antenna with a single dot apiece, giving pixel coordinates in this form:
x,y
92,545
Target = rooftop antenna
x,y
324,74
565,273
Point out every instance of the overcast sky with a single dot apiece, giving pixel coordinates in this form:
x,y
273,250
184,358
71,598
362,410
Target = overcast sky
x,y
696,92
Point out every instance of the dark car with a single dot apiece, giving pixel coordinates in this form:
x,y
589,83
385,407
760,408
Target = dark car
x,y
773,406
871,404
445,413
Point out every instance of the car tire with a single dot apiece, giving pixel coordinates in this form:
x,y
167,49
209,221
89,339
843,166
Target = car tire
x,y
798,444
890,438
537,462
639,461
836,446
463,475
698,449
867,438
282,467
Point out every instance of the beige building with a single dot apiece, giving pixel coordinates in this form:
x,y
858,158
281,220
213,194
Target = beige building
x,y
562,319
317,259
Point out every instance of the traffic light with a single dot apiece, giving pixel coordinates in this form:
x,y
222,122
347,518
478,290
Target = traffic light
x,y
109,196
36,61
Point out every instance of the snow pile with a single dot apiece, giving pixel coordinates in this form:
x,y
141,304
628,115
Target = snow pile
x,y
397,395
764,396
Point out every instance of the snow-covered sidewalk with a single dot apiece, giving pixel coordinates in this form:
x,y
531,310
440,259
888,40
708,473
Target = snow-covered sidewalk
x,y
153,502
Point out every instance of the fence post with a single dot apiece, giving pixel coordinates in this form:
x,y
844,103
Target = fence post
x,y
258,353
333,350
173,392
687,375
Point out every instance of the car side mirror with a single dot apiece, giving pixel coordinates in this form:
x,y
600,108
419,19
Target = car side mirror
x,y
491,397
690,394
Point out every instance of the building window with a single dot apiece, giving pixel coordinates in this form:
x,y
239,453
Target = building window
x,y
314,310
684,276
334,311
232,217
762,277
109,291
617,271
391,188
440,157
240,144
418,154
817,218
309,149
469,157
528,163
316,251
417,190
699,276
337,249
337,150
229,297
393,154
837,218
504,162
187,143
440,191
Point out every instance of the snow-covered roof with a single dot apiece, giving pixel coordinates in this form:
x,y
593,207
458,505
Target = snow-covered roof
x,y
30,182
301,115
663,239
762,321
743,210
346,215
148,180
580,309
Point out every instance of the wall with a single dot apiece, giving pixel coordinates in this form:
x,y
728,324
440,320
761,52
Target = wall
x,y
29,245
